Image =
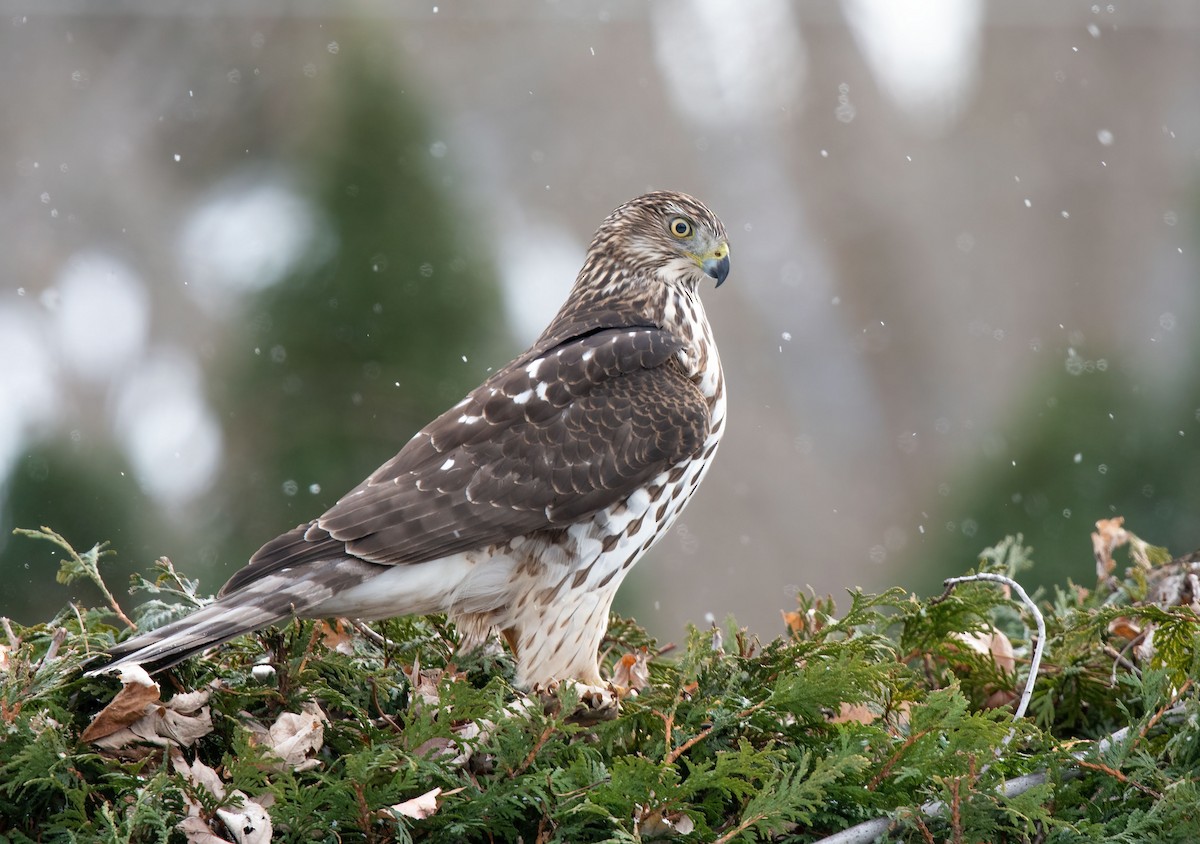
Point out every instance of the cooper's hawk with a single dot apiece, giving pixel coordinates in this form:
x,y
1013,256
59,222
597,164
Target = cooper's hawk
x,y
523,506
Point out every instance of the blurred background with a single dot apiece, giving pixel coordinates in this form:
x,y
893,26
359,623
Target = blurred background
x,y
250,247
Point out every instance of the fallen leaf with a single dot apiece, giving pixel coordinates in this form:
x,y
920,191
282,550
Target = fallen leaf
x,y
189,701
1000,699
1145,650
197,773
994,644
138,692
592,705
247,821
179,722
1108,536
250,823
900,717
338,636
424,684
439,746
658,822
419,807
632,671
1124,627
856,713
684,824
793,620
41,721
1176,583
196,831
293,737
460,750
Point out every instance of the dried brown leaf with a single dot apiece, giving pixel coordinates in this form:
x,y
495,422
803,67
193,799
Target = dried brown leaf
x,y
338,636
138,693
857,713
1000,699
1108,536
655,823
633,671
793,620
994,644
424,684
178,722
1124,627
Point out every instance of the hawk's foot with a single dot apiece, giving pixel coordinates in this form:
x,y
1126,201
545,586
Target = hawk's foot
x,y
593,703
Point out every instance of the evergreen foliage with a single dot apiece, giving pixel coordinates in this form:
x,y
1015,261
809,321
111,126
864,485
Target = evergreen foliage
x,y
875,709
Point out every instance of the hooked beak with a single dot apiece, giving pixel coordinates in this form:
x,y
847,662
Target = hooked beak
x,y
716,263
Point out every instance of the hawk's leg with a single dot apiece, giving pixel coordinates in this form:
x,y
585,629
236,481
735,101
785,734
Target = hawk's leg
x,y
556,634
556,641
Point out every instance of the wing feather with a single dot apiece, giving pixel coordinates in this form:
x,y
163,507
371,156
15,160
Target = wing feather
x,y
557,435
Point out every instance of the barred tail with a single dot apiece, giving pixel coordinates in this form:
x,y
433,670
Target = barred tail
x,y
274,597
169,645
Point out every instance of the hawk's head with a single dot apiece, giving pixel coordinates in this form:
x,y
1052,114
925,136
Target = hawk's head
x,y
664,235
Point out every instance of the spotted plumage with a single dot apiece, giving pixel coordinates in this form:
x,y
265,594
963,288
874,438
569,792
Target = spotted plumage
x,y
522,507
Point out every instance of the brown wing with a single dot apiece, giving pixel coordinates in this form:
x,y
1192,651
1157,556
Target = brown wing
x,y
552,438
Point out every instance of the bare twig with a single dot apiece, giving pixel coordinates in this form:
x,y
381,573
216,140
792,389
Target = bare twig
x,y
60,636
87,649
1038,645
925,833
674,755
1170,707
308,649
1117,775
745,824
88,567
1120,659
376,637
14,641
668,719
533,752
909,741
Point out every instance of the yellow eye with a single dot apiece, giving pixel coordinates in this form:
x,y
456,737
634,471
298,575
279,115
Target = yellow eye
x,y
681,227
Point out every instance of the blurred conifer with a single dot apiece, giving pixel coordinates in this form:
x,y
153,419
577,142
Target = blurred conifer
x,y
340,363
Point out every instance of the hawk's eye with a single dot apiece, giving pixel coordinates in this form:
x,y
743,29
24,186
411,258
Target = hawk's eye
x,y
681,227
